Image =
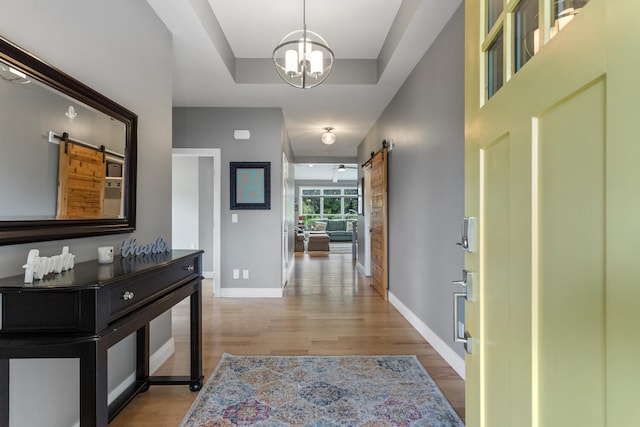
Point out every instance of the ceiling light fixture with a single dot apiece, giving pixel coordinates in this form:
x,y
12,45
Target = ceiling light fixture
x,y
341,168
328,138
71,112
303,58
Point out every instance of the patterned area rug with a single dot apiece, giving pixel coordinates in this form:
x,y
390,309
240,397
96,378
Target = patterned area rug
x,y
319,391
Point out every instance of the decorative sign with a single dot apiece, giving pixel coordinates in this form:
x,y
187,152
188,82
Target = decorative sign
x,y
250,185
37,267
132,248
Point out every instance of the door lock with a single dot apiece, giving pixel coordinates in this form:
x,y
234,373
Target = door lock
x,y
469,239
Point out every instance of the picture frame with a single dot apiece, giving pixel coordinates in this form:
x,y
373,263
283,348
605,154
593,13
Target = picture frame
x,y
250,185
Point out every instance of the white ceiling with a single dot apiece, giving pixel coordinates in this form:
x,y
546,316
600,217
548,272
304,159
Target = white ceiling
x,y
222,58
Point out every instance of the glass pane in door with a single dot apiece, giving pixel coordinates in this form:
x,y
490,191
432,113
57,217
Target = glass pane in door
x,y
494,9
495,66
526,32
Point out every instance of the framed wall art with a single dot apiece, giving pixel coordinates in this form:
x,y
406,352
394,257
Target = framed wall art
x,y
250,185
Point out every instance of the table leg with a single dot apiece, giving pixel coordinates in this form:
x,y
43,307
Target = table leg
x,y
93,384
142,356
4,392
196,339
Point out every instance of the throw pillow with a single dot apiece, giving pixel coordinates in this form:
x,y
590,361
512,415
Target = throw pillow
x,y
350,226
320,226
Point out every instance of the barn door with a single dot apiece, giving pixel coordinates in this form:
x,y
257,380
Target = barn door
x,y
379,244
81,182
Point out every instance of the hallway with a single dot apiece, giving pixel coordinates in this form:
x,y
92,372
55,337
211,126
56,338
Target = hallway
x,y
328,309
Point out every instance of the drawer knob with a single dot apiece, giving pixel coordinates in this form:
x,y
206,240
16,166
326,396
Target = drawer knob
x,y
127,296
189,268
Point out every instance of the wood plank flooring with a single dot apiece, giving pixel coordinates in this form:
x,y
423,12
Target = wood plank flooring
x,y
328,309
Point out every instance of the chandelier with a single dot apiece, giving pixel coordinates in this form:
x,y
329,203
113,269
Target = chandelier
x,y
302,58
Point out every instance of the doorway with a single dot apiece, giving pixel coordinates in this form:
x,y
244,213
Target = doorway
x,y
196,206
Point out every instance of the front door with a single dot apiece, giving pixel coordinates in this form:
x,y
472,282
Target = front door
x,y
551,172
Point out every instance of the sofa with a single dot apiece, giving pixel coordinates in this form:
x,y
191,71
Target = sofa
x,y
338,230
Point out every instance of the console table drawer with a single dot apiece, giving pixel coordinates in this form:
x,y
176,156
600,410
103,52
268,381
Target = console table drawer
x,y
42,312
135,293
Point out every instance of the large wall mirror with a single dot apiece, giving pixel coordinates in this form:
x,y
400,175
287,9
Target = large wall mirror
x,y
67,155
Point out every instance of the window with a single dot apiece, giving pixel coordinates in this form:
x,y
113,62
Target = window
x,y
520,21
494,10
495,69
527,35
327,203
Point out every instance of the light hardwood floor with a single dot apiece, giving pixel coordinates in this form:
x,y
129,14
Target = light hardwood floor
x,y
328,309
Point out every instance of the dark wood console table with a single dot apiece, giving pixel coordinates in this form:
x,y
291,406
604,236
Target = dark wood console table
x,y
82,312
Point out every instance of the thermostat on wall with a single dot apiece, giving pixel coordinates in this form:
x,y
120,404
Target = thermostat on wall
x,y
241,134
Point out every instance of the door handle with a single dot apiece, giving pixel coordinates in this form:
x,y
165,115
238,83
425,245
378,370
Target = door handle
x,y
459,299
459,333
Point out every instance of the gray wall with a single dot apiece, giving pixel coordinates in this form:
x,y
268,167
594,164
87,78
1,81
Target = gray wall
x,y
426,121
254,242
122,50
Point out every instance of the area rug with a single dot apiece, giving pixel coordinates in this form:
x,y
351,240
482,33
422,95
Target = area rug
x,y
340,247
320,391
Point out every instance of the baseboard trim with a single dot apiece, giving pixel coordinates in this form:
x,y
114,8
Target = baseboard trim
x,y
361,269
290,266
162,355
450,356
251,292
208,274
121,388
155,361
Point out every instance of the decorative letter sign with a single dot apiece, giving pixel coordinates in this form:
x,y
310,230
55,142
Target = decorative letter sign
x,y
132,248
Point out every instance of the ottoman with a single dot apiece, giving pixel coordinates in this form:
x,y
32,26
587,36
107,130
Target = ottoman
x,y
299,243
318,242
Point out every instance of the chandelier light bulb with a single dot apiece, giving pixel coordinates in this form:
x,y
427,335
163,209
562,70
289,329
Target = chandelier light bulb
x,y
316,64
291,62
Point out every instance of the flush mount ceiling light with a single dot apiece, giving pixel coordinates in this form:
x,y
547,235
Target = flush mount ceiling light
x,y
328,137
341,168
303,58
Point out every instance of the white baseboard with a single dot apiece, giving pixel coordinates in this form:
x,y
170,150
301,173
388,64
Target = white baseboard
x,y
450,356
155,361
251,292
208,274
361,269
162,355
290,266
121,388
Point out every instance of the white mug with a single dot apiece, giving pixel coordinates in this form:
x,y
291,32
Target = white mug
x,y
105,254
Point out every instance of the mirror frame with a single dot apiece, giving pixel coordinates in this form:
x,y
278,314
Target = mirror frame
x,y
13,232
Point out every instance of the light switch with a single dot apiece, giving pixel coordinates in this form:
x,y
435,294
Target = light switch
x,y
236,273
245,274
234,217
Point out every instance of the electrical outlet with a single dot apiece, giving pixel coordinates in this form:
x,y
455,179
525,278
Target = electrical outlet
x,y
245,274
236,273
